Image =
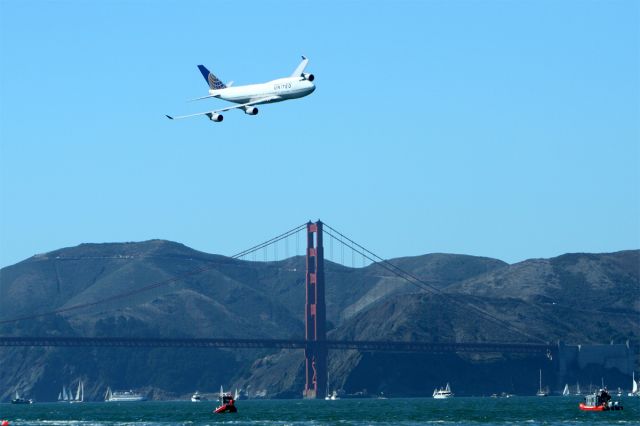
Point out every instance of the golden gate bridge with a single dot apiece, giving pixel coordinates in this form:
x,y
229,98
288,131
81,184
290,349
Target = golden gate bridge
x,y
315,343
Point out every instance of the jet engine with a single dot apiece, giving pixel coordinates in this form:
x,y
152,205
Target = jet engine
x,y
308,76
251,110
215,117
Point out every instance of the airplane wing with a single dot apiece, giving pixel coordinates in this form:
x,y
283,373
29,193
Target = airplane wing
x,y
298,72
215,95
209,113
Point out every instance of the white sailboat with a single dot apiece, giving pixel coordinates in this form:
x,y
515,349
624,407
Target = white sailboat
x,y
20,400
79,393
64,395
565,391
578,392
634,386
330,396
541,392
443,393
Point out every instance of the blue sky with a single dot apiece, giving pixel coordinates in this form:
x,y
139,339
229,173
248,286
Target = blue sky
x,y
507,129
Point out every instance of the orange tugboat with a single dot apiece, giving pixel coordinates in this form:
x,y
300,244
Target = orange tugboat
x,y
600,401
227,403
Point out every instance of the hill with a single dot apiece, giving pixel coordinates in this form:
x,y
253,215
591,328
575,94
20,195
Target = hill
x,y
162,288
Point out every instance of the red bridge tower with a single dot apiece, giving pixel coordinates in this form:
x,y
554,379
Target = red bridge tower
x,y
315,316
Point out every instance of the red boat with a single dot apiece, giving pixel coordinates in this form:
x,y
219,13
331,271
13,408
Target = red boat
x,y
599,401
227,403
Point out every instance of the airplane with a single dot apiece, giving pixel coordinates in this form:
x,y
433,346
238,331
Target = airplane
x,y
298,85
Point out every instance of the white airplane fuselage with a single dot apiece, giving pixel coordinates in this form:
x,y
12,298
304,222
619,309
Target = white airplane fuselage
x,y
277,90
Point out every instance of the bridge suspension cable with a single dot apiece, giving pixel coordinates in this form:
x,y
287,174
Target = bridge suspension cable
x,y
176,278
416,281
269,242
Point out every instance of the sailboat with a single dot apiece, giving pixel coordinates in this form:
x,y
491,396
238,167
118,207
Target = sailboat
x,y
65,395
330,396
541,392
79,393
442,393
634,386
565,391
20,400
578,389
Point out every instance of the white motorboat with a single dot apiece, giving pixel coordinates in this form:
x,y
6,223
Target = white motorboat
x,y
197,397
123,396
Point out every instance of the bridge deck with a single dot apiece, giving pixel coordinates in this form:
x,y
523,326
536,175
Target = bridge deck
x,y
365,346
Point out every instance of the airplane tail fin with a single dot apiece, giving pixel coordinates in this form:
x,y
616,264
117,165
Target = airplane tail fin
x,y
300,69
213,81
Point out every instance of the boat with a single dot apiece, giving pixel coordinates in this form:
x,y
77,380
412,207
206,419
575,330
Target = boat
x,y
123,396
443,393
634,386
332,397
542,392
599,401
565,391
197,397
578,389
79,393
502,395
19,400
227,403
64,395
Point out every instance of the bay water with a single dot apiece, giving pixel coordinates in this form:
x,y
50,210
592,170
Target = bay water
x,y
392,411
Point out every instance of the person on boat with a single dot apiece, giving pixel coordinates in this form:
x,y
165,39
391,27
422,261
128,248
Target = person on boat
x,y
604,396
227,404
